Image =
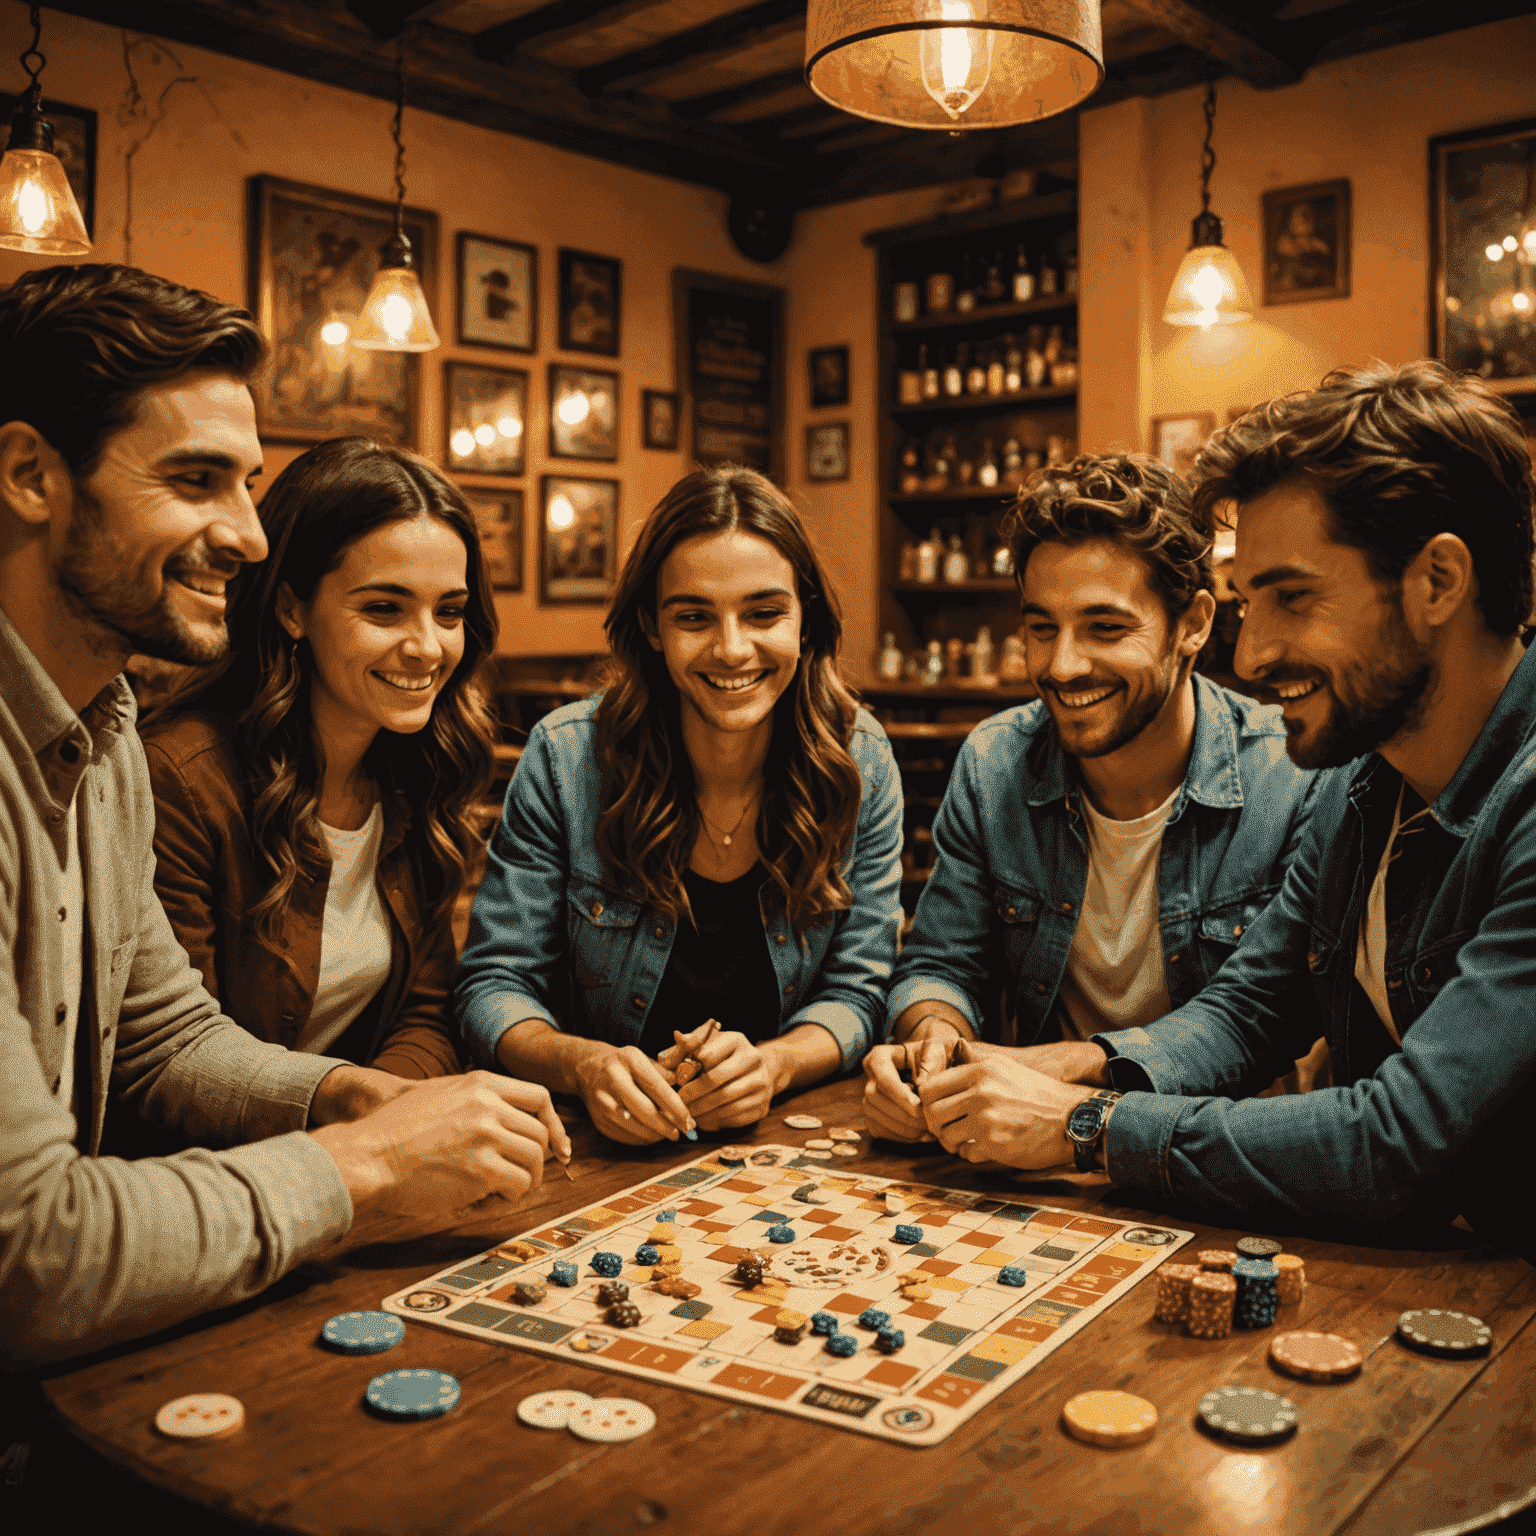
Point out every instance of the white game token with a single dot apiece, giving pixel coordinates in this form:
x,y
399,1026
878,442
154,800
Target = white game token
x,y
612,1419
551,1410
821,1144
802,1122
842,1133
844,1151
201,1416
820,1157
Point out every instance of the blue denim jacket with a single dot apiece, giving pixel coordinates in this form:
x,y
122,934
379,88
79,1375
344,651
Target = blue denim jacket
x,y
551,938
1439,1126
998,913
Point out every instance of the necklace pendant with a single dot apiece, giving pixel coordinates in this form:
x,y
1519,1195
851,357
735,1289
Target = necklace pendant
x,y
726,841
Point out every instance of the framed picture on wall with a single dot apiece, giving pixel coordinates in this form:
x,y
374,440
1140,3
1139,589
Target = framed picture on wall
x,y
498,291
826,451
829,376
1177,439
583,413
499,517
1306,243
74,142
589,302
658,419
578,539
485,413
313,256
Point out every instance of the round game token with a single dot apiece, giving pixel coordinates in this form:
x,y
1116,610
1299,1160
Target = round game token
x,y
1258,1247
427,1301
842,1133
412,1394
840,1150
551,1410
1316,1356
612,1419
1109,1418
1250,1414
733,1155
363,1333
821,1144
820,1157
802,1122
1444,1333
201,1416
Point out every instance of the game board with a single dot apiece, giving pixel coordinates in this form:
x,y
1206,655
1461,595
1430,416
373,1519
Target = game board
x,y
973,1339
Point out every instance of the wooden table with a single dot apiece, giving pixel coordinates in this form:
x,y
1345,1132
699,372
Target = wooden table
x,y
1412,1444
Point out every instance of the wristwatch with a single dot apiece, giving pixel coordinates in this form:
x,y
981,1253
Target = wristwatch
x,y
1085,1128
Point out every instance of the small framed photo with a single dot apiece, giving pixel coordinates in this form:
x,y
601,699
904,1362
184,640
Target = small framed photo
x,y
583,413
829,376
658,419
589,302
578,539
485,415
1177,439
499,517
498,293
826,451
1306,243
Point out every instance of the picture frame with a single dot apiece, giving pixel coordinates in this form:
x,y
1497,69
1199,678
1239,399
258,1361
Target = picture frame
x,y
1175,440
498,293
660,424
583,413
578,539
74,142
498,513
485,419
1306,242
312,258
590,302
1481,307
829,376
826,451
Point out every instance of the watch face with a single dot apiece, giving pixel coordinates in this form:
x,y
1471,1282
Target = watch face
x,y
1083,1122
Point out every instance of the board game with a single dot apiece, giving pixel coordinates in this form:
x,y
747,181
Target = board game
x,y
969,1340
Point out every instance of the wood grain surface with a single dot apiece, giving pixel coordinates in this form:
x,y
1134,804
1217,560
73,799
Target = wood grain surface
x,y
1412,1443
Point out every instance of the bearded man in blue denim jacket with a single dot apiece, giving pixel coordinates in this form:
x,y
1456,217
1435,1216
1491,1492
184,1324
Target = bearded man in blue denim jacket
x,y
1103,851
1384,549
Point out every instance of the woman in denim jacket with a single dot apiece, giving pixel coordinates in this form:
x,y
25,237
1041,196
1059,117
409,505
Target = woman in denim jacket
x,y
717,836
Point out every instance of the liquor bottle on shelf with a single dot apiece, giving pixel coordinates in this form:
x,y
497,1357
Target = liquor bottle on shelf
x,y
981,655
1069,275
1012,668
1034,357
939,290
965,471
936,478
1013,365
1002,558
986,470
929,553
996,373
1033,459
1053,346
891,660
931,373
965,295
1058,450
904,303
1048,277
954,374
951,458
1013,464
954,657
1064,370
957,564
909,381
931,667
911,480
995,290
976,373
1023,279
906,568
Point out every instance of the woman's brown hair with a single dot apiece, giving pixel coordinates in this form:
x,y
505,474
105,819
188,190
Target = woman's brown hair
x,y
648,819
321,504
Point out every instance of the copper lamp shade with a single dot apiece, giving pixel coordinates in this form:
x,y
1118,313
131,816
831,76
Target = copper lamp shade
x,y
954,64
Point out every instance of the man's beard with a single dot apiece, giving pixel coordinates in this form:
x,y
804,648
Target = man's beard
x,y
1138,716
97,573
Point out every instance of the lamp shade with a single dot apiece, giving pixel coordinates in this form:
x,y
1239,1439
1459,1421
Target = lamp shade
x,y
395,317
38,211
1208,289
954,64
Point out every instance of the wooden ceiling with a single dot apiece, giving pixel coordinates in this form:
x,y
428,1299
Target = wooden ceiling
x,y
712,91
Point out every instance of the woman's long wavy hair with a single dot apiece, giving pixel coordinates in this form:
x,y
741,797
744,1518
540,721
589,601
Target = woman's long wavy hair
x,y
648,819
320,505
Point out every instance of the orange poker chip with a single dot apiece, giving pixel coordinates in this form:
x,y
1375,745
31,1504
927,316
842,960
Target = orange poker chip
x,y
1109,1418
1316,1356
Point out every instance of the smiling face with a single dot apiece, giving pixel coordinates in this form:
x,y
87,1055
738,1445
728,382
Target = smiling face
x,y
385,627
1098,644
1321,636
728,624
165,519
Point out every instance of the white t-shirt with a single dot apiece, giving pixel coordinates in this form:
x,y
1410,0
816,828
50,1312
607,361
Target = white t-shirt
x,y
1371,947
1114,977
355,940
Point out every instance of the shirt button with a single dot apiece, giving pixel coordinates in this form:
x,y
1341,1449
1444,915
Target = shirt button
x,y
1039,986
61,1013
789,989
1011,912
1066,906
1312,960
779,938
659,931
1174,959
597,909
637,1002
1237,930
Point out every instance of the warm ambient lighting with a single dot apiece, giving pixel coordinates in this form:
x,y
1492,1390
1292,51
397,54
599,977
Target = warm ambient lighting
x,y
573,409
509,426
1521,301
954,64
462,442
1509,242
38,211
561,513
335,333
1494,252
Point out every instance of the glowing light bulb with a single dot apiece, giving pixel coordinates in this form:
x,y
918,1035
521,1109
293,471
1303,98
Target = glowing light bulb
x,y
561,513
1509,242
956,60
33,207
1521,301
573,409
462,442
335,333
485,434
509,426
1530,240
395,316
1494,252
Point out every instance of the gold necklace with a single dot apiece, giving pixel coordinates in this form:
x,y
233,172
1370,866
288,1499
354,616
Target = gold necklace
x,y
725,838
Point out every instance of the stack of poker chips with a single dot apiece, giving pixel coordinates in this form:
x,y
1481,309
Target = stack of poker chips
x,y
1217,1260
1173,1292
1256,1298
1211,1295
1291,1279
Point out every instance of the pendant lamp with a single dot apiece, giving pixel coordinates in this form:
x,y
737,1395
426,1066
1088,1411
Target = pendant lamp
x,y
954,64
38,211
395,317
1209,287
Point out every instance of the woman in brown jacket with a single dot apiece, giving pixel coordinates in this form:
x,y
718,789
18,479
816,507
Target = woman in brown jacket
x,y
312,790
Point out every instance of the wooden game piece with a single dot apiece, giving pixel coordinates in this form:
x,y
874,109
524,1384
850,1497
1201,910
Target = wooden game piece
x,y
1316,1356
1258,1247
675,1285
820,1144
917,1293
889,1340
667,1253
802,1122
1291,1278
529,1291
1109,1418
687,1070
749,1269
201,1416
663,1232
843,1151
843,1133
611,1420
623,1314
667,1271
842,1344
607,1264
550,1410
789,1326
611,1292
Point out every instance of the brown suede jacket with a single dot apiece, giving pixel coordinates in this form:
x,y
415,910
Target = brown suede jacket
x,y
208,879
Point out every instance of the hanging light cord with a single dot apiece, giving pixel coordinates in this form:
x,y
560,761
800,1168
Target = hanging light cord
x,y
399,141
1207,154
35,90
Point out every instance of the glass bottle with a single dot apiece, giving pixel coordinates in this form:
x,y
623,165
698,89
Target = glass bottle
x,y
986,470
1034,356
1033,459
1069,275
1023,279
909,381
891,659
976,374
995,371
1002,558
951,457
1064,369
1053,346
906,569
965,295
905,302
928,555
965,470
939,290
931,672
1012,668
911,479
954,374
957,564
1057,450
937,477
1013,365
1048,277
931,374
954,653
981,655
995,290
1013,464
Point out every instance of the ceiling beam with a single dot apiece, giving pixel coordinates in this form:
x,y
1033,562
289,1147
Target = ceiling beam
x,y
712,39
816,116
386,19
1241,48
736,95
503,40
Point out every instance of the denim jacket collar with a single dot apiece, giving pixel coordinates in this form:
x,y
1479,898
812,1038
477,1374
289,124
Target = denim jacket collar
x,y
1498,743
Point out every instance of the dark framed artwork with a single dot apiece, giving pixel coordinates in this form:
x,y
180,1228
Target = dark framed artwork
x,y
485,416
659,424
589,302
74,142
578,539
826,451
1482,209
1177,439
1306,243
313,255
499,517
829,376
583,413
498,291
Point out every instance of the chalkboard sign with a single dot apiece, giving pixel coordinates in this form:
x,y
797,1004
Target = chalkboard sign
x,y
730,367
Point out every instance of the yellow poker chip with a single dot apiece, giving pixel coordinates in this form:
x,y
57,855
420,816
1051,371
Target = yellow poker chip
x,y
201,1416
1109,1418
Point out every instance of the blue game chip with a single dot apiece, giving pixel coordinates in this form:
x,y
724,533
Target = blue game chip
x,y
412,1394
363,1333
842,1344
608,1264
908,1234
823,1322
646,1253
1012,1274
666,1216
873,1317
889,1340
781,1234
563,1272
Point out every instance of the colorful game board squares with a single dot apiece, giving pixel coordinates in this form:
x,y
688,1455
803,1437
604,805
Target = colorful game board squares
x,y
743,1186
761,1383
1018,1213
692,1310
949,1283
1053,1312
478,1315
1072,1295
951,1390
837,1234
1051,1221
1112,1266
654,1192
654,1357
976,1239
477,1273
1095,1226
848,1302
537,1330
697,1207
891,1373
1031,1330
684,1178
728,1253
945,1333
923,1309
712,1227
1093,1285
758,1199
938,1266
1055,1252
922,1251
819,1215
995,1258
773,1218
977,1366
703,1328
1004,1350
